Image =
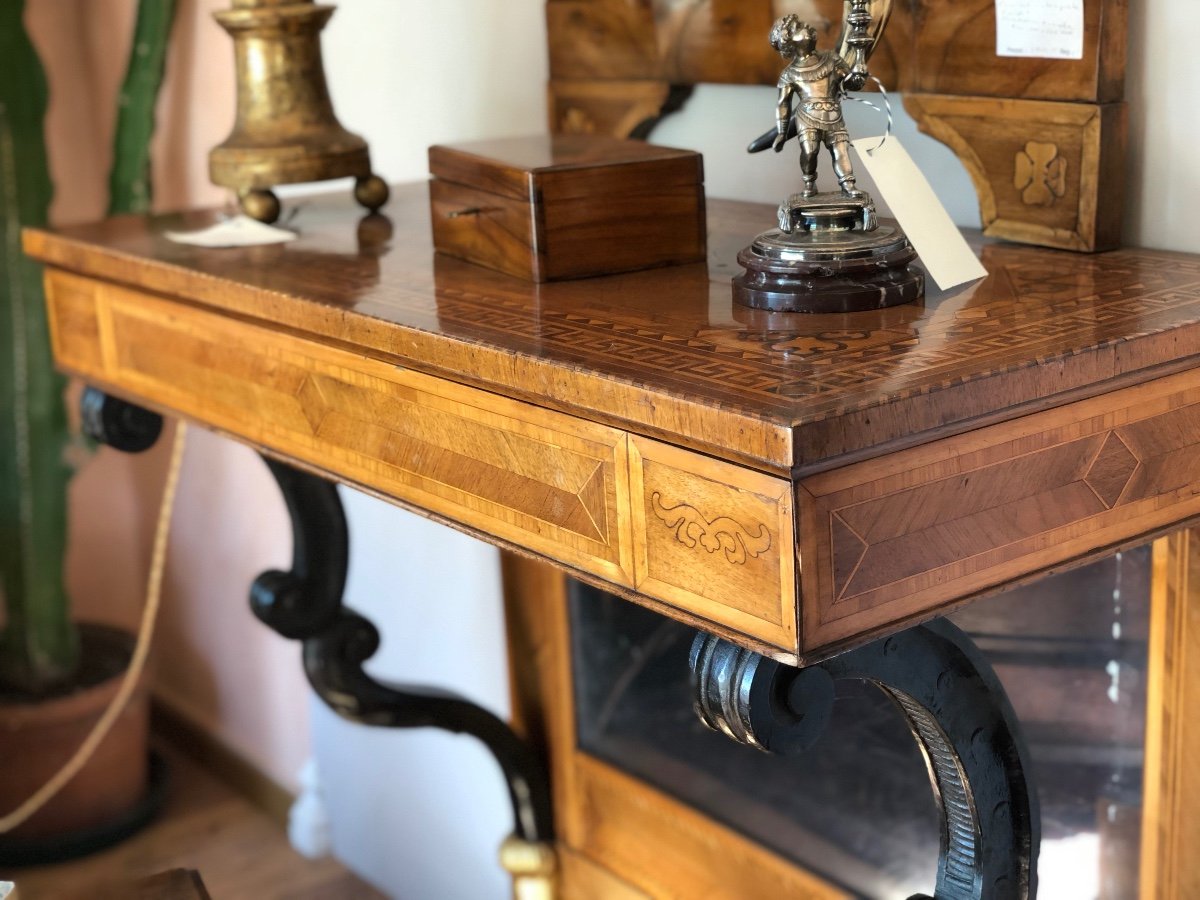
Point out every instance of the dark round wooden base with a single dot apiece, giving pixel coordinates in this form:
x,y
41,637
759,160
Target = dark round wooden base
x,y
847,292
829,270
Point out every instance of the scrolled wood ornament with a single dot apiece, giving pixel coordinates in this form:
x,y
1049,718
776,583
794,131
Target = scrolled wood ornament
x,y
958,714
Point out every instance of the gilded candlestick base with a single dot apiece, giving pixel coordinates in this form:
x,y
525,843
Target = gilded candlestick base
x,y
286,131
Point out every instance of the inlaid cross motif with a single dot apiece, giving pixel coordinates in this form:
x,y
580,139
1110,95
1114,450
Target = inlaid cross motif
x,y
1041,174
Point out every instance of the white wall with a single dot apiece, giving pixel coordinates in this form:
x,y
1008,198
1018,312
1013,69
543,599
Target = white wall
x,y
1163,88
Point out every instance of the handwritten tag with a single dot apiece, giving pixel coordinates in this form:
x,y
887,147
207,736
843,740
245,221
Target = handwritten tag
x,y
240,231
944,252
1046,29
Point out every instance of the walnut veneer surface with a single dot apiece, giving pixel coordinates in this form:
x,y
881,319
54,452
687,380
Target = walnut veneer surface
x,y
801,483
666,351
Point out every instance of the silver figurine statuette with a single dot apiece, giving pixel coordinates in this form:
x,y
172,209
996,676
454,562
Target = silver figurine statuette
x,y
830,253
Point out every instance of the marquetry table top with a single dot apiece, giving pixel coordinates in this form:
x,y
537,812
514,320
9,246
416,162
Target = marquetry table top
x,y
666,352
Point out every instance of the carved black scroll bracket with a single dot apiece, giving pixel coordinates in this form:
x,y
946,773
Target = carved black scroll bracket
x,y
118,423
305,604
957,711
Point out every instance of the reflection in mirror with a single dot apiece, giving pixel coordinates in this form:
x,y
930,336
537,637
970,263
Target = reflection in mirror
x,y
857,809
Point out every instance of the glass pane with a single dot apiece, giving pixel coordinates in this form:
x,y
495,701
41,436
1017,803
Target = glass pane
x,y
857,809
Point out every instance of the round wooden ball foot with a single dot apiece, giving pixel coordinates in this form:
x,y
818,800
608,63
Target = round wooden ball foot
x,y
260,204
371,192
829,271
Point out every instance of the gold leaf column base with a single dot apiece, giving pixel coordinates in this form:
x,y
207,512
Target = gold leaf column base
x,y
286,131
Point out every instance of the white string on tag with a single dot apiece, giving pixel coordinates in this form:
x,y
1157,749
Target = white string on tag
x,y
887,104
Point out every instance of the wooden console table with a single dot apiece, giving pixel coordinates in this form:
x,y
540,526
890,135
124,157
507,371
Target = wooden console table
x,y
797,486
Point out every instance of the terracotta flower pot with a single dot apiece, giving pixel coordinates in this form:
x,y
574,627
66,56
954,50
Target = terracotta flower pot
x,y
37,738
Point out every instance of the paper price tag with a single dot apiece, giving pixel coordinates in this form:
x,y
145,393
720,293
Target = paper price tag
x,y
1045,29
240,231
944,252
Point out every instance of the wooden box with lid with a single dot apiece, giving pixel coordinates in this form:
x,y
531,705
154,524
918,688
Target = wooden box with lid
x,y
567,206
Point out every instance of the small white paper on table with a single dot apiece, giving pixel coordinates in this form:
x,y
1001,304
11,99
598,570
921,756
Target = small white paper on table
x,y
240,231
944,252
1045,29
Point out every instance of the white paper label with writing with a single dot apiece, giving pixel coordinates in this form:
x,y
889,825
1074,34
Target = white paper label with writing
x,y
944,252
1045,29
240,231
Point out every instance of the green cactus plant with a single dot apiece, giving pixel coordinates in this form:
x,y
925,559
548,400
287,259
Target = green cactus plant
x,y
129,187
38,642
38,645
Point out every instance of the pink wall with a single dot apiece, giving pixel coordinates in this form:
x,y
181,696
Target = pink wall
x,y
214,662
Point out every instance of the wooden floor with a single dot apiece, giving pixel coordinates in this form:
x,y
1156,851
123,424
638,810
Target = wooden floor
x,y
239,852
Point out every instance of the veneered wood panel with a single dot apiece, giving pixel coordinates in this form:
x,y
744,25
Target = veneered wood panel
x,y
1045,173
714,539
617,108
683,42
541,686
489,229
940,46
74,325
653,217
582,879
554,484
1170,867
672,852
953,51
896,539
665,352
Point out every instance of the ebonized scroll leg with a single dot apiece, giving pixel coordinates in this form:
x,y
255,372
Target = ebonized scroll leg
x,y
305,604
118,423
957,711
